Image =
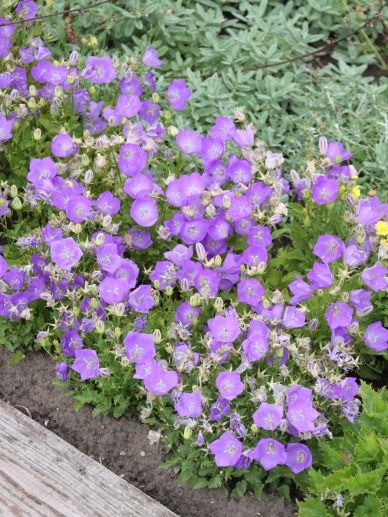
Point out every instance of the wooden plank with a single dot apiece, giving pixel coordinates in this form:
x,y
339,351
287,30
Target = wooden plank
x,y
42,475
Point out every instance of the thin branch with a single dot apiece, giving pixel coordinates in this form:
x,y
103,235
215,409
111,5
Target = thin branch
x,y
324,49
60,13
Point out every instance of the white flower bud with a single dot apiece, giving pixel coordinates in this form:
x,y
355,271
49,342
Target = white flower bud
x,y
37,134
201,252
100,239
88,176
323,145
157,335
13,191
100,327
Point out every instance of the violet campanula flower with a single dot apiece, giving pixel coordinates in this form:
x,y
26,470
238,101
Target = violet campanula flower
x,y
99,70
376,337
339,314
320,276
141,299
269,453
63,146
224,329
375,277
268,416
328,248
151,58
86,364
337,153
293,318
229,385
300,289
299,457
139,347
160,381
189,404
227,450
324,190
62,371
178,94
65,253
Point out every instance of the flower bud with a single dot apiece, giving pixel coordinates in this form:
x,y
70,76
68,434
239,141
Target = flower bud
x,y
187,433
275,219
167,115
31,103
323,145
37,134
100,238
157,335
85,159
119,309
184,284
76,311
58,91
169,290
295,178
77,228
354,327
100,327
195,300
201,252
156,97
266,303
17,204
94,303
313,324
88,176
73,58
104,372
173,131
100,161
13,191
226,202
219,304
217,261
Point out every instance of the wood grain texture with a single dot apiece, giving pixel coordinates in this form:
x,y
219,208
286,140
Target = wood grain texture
x,y
42,475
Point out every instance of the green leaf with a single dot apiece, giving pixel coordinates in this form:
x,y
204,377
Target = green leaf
x,y
312,507
16,357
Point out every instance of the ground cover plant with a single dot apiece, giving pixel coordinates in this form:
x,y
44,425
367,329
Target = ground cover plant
x,y
194,277
223,50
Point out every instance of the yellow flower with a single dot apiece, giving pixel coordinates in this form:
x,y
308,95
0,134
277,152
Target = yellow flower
x,y
92,41
355,192
382,228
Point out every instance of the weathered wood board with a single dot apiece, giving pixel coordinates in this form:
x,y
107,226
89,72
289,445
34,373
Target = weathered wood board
x,y
42,475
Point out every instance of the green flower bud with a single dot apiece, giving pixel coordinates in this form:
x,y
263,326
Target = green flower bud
x,y
94,303
17,204
37,134
100,327
156,97
13,191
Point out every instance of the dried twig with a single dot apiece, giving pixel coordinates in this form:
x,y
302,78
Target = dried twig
x,y
321,50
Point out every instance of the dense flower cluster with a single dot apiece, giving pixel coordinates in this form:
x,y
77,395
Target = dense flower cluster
x,y
142,218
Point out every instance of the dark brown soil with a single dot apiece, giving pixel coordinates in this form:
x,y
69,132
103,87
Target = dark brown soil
x,y
121,445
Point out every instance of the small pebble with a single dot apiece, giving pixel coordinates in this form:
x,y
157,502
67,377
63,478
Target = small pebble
x,y
142,454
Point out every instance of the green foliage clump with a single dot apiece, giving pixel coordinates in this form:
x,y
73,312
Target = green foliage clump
x,y
353,474
223,49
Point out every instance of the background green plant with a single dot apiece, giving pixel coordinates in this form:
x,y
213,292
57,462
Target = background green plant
x,y
353,466
218,46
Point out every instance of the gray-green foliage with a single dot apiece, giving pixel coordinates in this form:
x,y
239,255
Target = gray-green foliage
x,y
218,45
